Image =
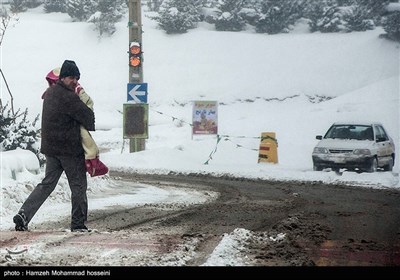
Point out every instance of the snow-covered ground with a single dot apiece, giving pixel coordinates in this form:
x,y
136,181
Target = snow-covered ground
x,y
262,83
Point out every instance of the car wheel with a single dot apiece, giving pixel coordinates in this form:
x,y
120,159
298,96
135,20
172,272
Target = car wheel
x,y
389,166
317,167
373,167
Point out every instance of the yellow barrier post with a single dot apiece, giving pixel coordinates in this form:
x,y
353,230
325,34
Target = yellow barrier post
x,y
268,151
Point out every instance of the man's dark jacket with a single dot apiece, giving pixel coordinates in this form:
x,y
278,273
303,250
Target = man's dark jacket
x,y
62,115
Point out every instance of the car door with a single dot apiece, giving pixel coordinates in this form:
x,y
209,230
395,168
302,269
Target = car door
x,y
383,144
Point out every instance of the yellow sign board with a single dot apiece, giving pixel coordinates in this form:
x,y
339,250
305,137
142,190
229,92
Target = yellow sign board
x,y
268,151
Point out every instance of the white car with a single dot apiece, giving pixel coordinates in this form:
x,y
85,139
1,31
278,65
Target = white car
x,y
354,146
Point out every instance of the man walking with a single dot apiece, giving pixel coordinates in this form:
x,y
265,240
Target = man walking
x,y
62,115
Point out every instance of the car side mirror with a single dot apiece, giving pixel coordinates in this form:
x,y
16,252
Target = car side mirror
x,y
380,139
318,137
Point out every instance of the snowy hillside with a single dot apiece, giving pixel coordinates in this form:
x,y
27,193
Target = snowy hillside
x,y
261,82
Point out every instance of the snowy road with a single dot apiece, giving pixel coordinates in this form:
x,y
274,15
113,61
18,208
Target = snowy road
x,y
205,221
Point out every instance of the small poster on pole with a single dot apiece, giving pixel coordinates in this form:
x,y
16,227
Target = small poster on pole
x,y
205,117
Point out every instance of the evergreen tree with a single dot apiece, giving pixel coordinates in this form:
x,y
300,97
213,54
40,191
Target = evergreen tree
x,y
154,5
255,4
80,9
344,15
19,133
208,3
391,24
53,6
250,11
108,12
332,20
228,18
357,19
315,10
178,16
375,9
18,6
328,16
345,2
277,16
6,119
33,3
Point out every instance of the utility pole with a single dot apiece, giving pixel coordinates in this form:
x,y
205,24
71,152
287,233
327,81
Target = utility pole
x,y
135,67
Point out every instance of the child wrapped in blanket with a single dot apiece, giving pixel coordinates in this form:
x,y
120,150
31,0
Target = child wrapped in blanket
x,y
93,164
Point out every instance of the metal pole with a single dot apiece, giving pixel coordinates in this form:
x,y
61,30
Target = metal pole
x,y
135,73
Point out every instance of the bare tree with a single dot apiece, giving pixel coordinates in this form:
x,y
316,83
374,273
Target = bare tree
x,y
5,20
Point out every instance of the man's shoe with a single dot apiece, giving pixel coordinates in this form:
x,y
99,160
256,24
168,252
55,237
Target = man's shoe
x,y
20,222
80,229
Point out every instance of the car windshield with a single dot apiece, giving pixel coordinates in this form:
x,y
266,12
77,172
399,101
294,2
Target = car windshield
x,y
357,132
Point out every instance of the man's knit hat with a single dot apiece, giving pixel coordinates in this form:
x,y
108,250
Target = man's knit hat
x,y
69,69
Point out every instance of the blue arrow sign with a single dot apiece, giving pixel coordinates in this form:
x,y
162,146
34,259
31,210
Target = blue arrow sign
x,y
137,93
